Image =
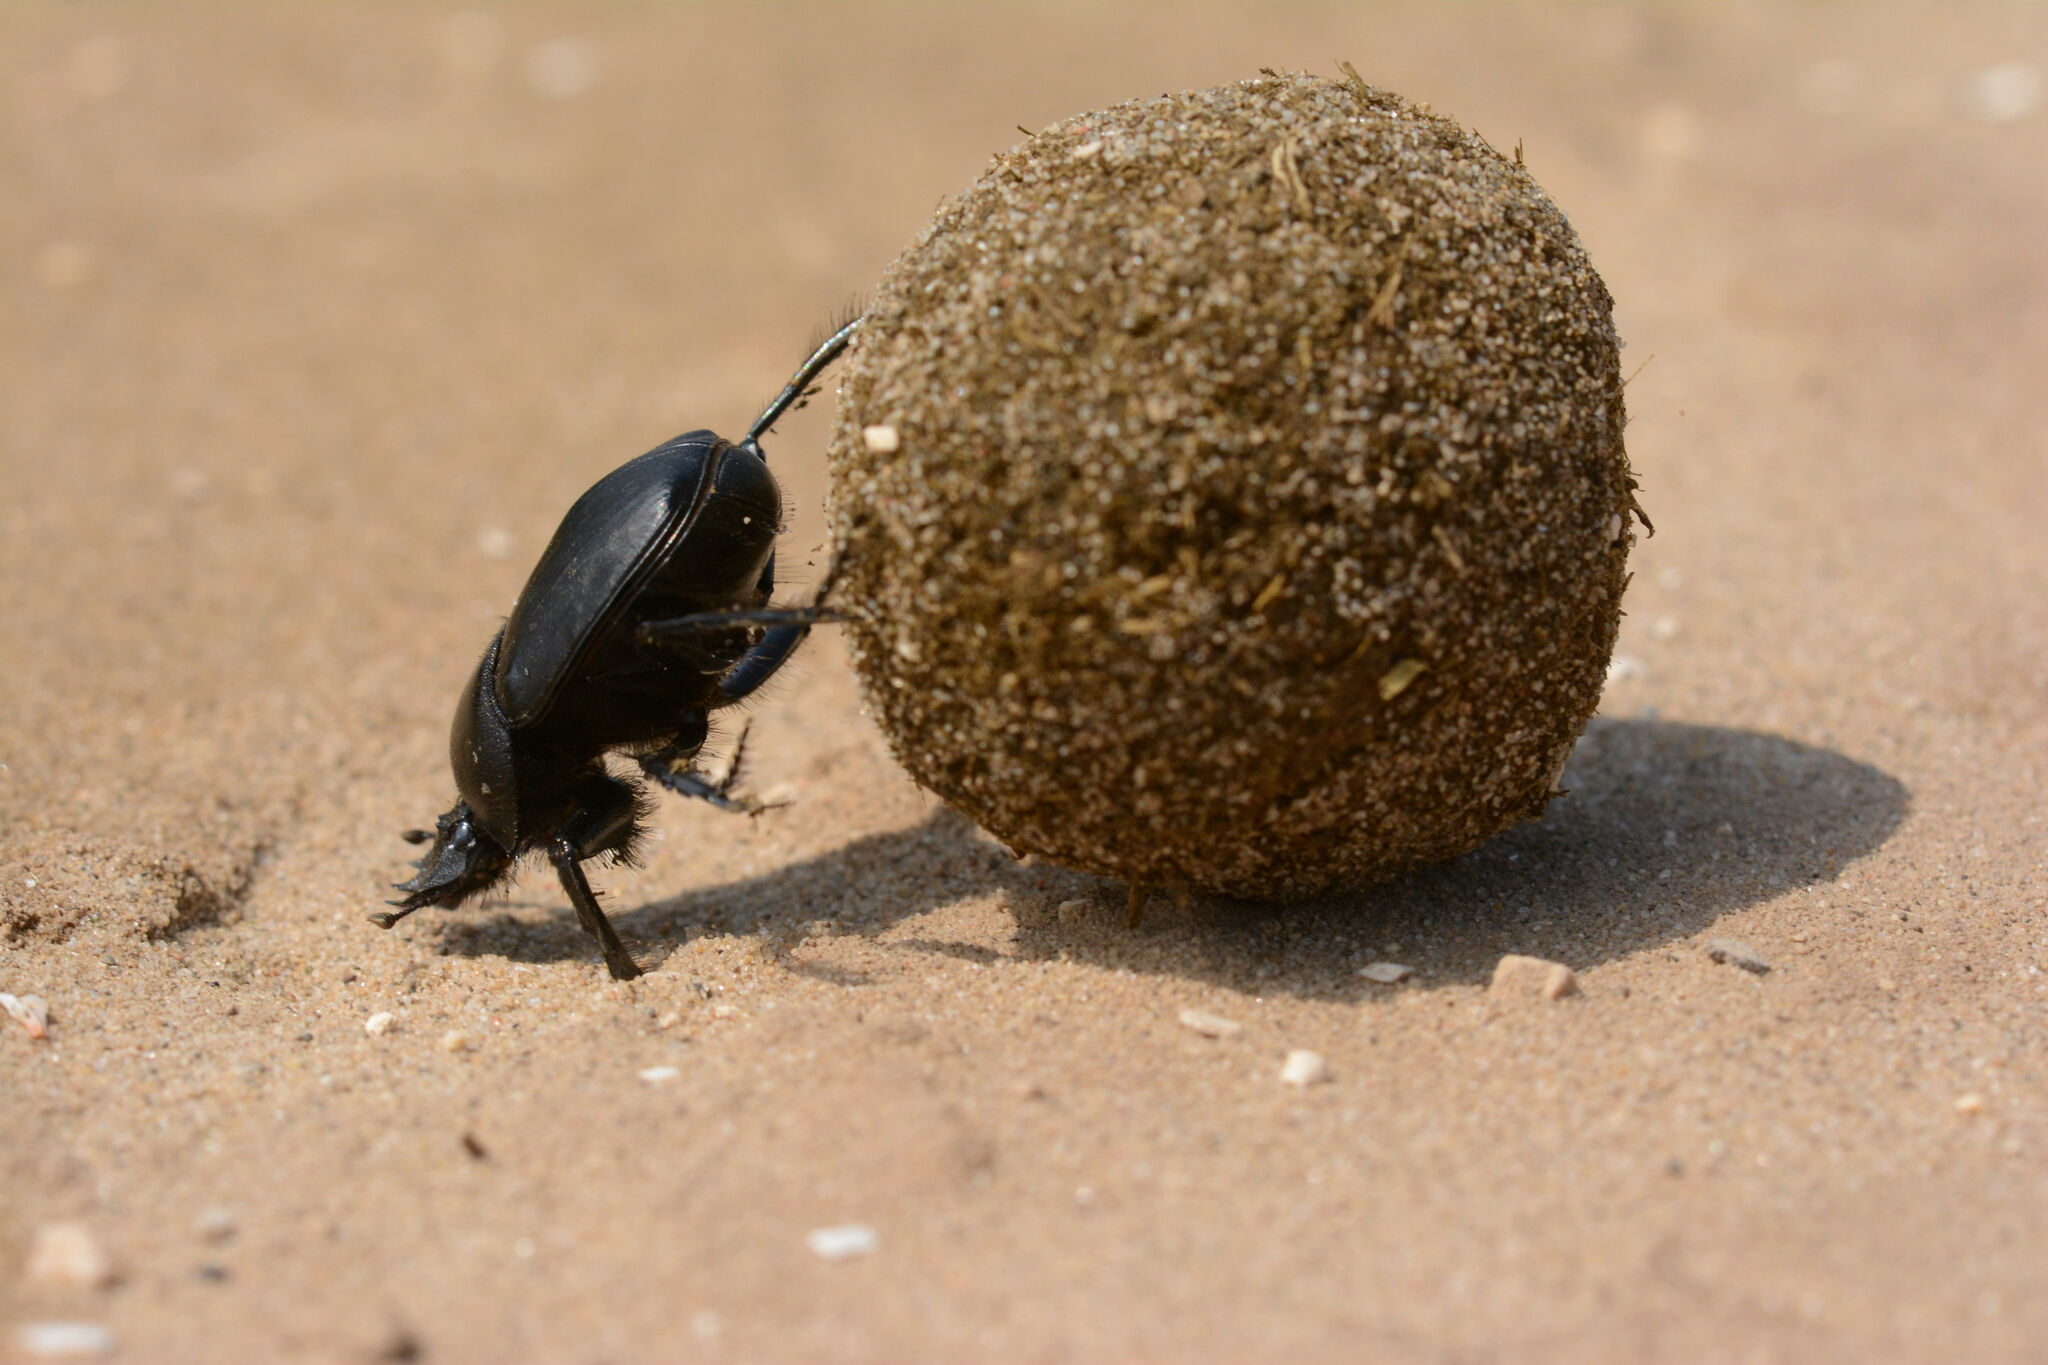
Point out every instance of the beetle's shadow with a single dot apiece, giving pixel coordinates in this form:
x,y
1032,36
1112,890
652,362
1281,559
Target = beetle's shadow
x,y
1667,828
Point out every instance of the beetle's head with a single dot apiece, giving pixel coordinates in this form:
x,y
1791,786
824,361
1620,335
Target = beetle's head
x,y
464,862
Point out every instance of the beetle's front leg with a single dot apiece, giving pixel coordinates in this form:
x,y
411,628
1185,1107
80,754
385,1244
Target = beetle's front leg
x,y
605,822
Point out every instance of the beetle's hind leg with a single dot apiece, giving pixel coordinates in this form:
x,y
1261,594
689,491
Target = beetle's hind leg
x,y
689,628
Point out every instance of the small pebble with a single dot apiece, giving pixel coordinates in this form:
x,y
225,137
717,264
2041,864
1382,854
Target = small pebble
x,y
215,1225
1517,974
379,1023
1210,1025
1622,668
1970,1105
655,1075
881,440
455,1040
66,1339
841,1242
1735,953
1303,1067
67,1255
2005,93
495,542
29,1011
1386,973
1073,912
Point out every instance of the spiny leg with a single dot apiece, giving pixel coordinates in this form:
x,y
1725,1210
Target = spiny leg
x,y
788,627
680,628
604,823
674,768
563,856
384,919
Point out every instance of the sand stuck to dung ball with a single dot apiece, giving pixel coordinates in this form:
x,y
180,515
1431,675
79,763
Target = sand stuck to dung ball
x,y
1229,492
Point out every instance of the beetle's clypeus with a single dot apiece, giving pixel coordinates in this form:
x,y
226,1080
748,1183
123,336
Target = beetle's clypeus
x,y
647,612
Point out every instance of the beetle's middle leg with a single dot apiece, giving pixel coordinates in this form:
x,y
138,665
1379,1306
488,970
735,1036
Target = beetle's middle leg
x,y
675,768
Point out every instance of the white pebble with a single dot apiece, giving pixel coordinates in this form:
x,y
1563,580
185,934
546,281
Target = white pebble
x,y
1664,628
1303,1067
1734,952
841,1242
1211,1025
1970,1105
455,1040
881,440
2005,93
29,1011
69,1256
216,1224
1386,973
655,1075
1516,974
379,1023
1624,668
66,1339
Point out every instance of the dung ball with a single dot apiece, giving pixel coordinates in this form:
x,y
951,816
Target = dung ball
x,y
1229,492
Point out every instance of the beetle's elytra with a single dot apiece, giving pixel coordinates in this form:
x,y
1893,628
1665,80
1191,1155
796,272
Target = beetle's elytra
x,y
647,612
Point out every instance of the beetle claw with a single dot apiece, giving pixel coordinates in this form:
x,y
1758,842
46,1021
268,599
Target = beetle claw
x,y
416,836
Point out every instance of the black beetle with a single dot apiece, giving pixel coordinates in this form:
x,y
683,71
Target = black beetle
x,y
647,612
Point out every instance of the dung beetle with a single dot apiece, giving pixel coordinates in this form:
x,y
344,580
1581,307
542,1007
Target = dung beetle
x,y
647,612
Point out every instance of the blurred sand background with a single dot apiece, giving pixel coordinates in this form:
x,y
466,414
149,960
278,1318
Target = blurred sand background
x,y
312,322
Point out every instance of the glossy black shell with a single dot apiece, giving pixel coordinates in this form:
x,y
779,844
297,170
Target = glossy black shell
x,y
688,527
698,513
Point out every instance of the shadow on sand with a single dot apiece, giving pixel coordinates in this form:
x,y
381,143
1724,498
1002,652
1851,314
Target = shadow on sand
x,y
1667,828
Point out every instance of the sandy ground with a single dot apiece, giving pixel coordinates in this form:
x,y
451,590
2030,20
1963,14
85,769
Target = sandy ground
x,y
314,320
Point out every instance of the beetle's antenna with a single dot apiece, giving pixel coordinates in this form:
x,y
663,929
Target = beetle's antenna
x,y
798,383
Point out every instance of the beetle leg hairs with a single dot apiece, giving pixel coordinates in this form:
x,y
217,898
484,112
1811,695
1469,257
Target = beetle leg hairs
x,y
683,780
564,856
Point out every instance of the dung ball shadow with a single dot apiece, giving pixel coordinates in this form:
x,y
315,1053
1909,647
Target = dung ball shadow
x,y
1666,828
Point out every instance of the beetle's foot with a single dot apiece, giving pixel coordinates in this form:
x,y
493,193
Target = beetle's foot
x,y
384,919
416,836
